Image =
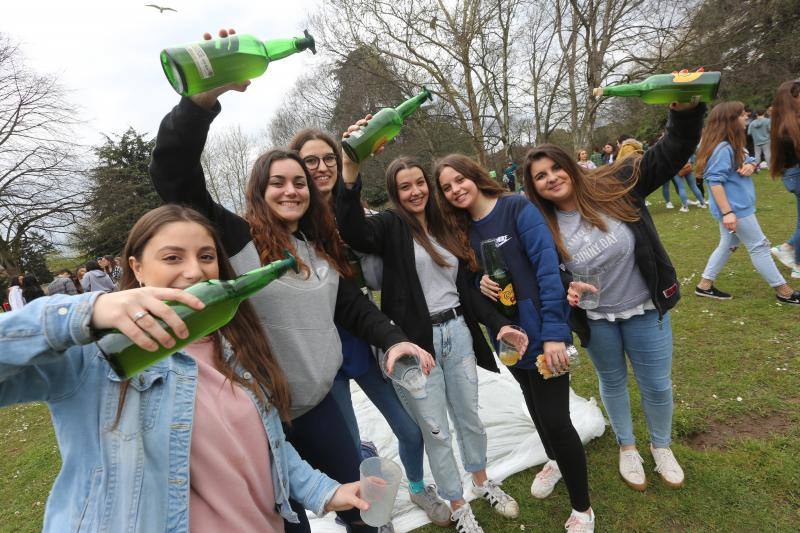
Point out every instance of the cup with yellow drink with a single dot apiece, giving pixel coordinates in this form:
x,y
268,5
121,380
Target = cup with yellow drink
x,y
508,347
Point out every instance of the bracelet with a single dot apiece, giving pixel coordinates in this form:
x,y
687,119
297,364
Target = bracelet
x,y
728,213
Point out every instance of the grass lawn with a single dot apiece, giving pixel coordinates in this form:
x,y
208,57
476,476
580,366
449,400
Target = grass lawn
x,y
737,409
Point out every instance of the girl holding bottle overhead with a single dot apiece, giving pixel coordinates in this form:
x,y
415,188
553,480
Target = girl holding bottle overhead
x,y
601,222
484,212
323,159
192,443
426,291
284,210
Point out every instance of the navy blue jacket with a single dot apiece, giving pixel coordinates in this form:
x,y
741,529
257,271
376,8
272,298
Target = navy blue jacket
x,y
532,260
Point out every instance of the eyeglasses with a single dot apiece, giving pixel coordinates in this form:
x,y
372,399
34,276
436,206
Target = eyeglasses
x,y
312,161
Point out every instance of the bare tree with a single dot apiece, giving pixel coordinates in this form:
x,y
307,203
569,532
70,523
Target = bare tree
x,y
38,159
429,42
227,159
310,104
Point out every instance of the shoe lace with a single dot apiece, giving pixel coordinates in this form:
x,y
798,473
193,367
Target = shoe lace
x,y
630,460
576,525
429,495
466,522
495,494
665,460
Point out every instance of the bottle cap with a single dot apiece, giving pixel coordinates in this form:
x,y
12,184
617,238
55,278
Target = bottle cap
x,y
306,43
597,91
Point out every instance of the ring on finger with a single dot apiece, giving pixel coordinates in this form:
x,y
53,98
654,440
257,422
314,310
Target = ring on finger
x,y
139,315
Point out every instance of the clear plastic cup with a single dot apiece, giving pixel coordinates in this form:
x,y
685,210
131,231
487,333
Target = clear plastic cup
x,y
589,300
574,362
408,374
380,479
507,352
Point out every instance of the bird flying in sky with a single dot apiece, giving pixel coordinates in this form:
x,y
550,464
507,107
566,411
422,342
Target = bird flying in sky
x,y
161,9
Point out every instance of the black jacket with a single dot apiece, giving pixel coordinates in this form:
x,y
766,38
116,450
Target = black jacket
x,y
178,178
387,235
658,165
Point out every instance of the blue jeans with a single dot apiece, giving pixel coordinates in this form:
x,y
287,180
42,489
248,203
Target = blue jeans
x,y
681,190
382,395
452,386
791,179
749,233
648,345
692,183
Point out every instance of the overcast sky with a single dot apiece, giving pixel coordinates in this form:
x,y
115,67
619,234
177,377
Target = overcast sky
x,y
106,53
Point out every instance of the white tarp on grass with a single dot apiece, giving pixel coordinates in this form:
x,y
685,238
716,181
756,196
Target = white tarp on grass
x,y
514,444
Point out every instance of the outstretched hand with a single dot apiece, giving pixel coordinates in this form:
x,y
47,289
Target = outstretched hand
x,y
426,361
134,313
346,497
208,99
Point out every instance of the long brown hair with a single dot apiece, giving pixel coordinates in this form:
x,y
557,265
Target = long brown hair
x,y
244,332
269,232
722,125
438,225
474,172
597,192
313,134
785,117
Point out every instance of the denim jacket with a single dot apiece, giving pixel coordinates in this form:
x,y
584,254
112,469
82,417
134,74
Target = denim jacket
x,y
133,476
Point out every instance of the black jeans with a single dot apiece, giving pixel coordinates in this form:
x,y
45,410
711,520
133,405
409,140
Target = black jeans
x,y
548,405
321,437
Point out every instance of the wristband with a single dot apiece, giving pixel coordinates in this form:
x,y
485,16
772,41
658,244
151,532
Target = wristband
x,y
728,213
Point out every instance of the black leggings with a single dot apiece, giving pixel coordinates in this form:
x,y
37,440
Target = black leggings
x,y
548,405
321,438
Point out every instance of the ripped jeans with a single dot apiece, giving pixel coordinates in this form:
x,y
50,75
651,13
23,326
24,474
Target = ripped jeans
x,y
452,386
749,233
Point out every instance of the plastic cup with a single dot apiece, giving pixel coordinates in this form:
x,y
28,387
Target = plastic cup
x,y
408,374
507,352
589,300
380,479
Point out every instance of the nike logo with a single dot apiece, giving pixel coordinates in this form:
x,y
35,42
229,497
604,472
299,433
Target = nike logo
x,y
501,240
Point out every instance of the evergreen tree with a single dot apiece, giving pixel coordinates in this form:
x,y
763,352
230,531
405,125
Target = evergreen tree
x,y
120,192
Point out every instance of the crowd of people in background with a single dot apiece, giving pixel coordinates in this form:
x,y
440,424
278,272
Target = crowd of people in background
x,y
293,348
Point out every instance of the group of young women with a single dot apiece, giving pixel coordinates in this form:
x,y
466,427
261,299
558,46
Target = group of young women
x,y
246,429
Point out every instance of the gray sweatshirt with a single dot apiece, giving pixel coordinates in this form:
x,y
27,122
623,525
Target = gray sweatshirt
x,y
297,314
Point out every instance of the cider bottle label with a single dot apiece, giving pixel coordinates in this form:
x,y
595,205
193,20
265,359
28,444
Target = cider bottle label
x,y
507,296
200,60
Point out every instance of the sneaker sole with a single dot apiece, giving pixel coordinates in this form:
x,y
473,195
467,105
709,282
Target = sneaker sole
x,y
671,484
704,295
635,486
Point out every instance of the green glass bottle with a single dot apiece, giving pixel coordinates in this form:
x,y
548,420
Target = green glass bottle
x,y
495,267
197,67
222,299
680,86
382,128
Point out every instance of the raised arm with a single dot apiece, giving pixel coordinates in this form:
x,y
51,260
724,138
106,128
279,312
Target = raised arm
x,y
661,162
362,233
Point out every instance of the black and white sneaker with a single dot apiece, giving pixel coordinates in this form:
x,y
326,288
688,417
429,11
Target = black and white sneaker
x,y
794,299
713,292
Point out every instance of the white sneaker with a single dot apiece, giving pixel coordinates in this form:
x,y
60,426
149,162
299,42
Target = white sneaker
x,y
704,205
670,206
631,470
465,521
666,465
502,503
693,202
796,272
684,209
580,522
784,254
545,480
